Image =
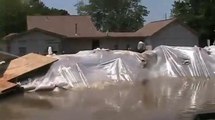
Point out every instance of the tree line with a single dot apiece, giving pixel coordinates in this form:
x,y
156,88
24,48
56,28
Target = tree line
x,y
13,14
111,15
108,15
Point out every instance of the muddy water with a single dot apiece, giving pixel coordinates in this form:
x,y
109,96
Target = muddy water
x,y
162,99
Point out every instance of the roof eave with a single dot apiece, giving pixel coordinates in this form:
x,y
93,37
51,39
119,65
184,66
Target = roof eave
x,y
34,30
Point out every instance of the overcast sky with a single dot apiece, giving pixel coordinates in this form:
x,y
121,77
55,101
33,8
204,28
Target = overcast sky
x,y
157,8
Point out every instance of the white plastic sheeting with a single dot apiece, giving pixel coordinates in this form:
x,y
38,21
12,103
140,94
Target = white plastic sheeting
x,y
183,62
210,50
184,83
88,67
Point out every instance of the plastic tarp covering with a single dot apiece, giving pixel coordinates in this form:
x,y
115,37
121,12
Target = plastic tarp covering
x,y
210,50
88,67
104,66
184,84
187,62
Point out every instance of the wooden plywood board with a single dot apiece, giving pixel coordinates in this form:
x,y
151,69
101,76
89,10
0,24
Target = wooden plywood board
x,y
4,86
25,64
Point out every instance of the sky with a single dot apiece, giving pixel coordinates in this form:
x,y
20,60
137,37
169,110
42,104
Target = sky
x,y
157,8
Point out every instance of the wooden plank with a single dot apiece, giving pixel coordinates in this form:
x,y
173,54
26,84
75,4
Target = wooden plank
x,y
4,86
25,64
22,66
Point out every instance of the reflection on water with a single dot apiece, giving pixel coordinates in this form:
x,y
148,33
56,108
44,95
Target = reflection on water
x,y
160,99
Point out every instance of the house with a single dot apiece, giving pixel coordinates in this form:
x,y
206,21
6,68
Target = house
x,y
70,34
170,32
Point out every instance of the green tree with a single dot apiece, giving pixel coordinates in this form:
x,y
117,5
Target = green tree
x,y
13,14
115,15
198,14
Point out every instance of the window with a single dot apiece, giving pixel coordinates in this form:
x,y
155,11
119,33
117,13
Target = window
x,y
22,51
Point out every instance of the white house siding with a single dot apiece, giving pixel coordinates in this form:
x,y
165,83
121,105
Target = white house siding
x,y
174,35
121,44
76,45
36,42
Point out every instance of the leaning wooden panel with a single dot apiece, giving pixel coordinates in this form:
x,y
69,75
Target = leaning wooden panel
x,y
25,64
6,86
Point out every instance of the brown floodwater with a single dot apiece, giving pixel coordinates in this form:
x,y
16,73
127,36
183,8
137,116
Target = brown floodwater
x,y
162,99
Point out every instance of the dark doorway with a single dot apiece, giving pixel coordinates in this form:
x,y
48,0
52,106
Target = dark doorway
x,y
95,44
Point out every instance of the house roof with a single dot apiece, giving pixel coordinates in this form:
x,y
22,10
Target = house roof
x,y
9,36
154,27
69,26
15,35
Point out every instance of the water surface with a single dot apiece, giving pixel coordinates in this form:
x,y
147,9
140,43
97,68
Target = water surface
x,y
161,99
